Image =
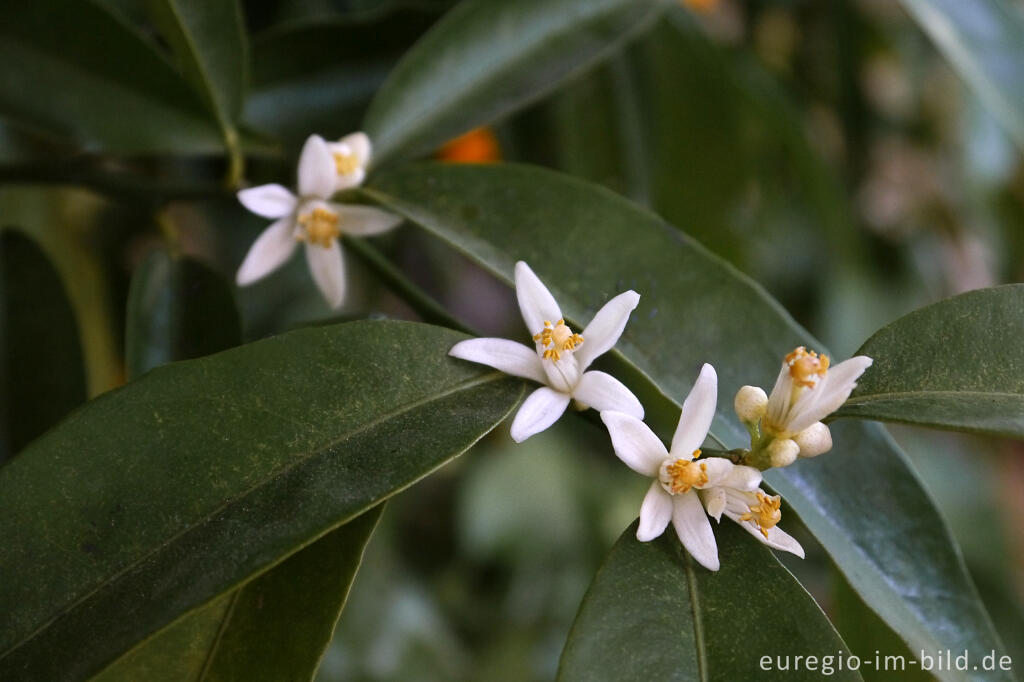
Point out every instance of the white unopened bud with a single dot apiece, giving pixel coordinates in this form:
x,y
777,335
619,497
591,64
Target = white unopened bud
x,y
783,452
751,403
814,440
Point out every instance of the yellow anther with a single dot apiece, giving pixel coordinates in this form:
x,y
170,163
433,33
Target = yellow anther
x,y
559,336
682,474
765,514
696,453
806,367
345,163
319,226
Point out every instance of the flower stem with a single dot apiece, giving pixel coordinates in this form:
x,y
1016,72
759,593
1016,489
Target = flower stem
x,y
425,306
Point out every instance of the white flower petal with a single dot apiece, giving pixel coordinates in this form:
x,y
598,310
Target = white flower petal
x,y
535,301
655,513
714,500
634,443
604,392
694,529
328,271
359,144
741,477
364,221
777,538
273,247
316,169
563,374
718,470
353,179
270,201
508,356
825,398
605,329
777,410
541,409
698,411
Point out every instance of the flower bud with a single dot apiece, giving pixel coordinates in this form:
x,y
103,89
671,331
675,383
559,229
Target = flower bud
x,y
751,403
782,452
814,440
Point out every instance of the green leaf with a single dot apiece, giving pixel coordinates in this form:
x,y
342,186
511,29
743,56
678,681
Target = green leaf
x,y
208,39
485,59
178,309
862,501
984,40
43,375
157,497
652,613
275,628
75,70
957,364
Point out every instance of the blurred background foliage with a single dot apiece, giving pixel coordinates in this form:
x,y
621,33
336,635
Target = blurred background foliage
x,y
828,150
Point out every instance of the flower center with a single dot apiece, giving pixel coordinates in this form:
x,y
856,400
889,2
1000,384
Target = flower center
x,y
319,226
557,338
345,163
682,474
806,367
765,514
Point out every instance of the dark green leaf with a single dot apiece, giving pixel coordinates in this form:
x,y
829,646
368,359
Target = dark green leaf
x,y
74,69
485,59
652,613
957,364
178,309
275,628
862,501
208,39
157,497
43,377
984,40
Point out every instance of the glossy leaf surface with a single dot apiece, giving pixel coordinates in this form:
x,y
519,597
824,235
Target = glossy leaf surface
x,y
157,497
653,613
485,59
957,364
862,501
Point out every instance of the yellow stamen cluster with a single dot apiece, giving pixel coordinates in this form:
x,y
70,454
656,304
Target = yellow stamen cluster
x,y
345,163
559,337
319,226
684,474
806,367
765,513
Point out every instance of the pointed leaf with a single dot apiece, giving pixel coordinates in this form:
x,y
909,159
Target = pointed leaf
x,y
957,364
274,628
652,613
588,245
43,375
66,73
178,309
485,59
159,496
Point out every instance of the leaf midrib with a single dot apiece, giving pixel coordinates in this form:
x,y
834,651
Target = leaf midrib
x,y
231,502
699,641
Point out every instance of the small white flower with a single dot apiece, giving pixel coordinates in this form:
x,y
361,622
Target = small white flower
x,y
559,358
351,156
676,473
309,218
806,392
756,512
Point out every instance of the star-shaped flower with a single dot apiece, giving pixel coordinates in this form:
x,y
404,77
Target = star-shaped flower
x,y
309,218
677,472
351,156
559,358
788,423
